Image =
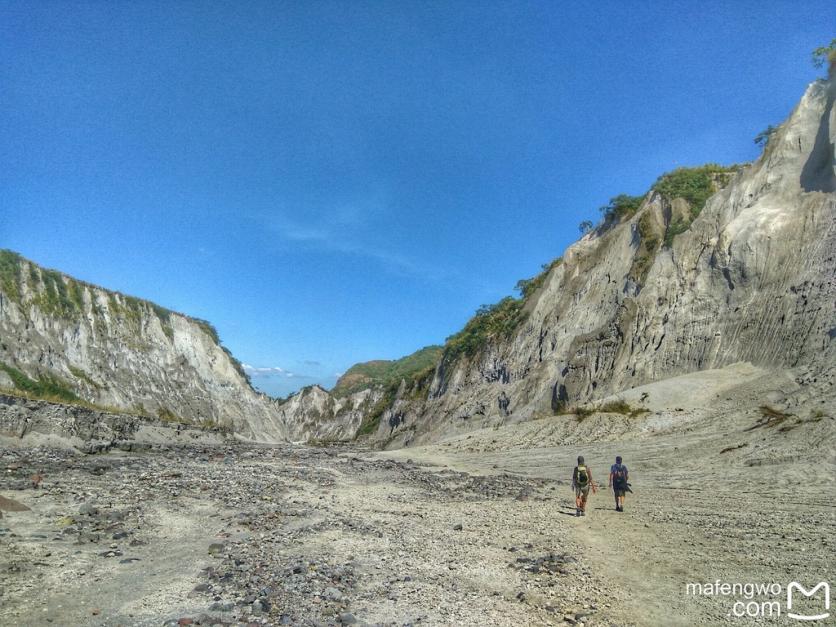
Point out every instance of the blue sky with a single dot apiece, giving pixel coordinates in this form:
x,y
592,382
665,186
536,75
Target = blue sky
x,y
337,182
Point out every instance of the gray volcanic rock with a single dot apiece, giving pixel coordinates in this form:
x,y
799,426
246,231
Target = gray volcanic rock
x,y
119,351
314,413
93,431
752,280
124,353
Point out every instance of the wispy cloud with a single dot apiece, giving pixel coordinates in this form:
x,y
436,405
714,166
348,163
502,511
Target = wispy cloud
x,y
348,229
334,239
261,372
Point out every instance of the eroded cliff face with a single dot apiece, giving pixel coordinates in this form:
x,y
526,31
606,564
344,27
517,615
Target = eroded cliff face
x,y
70,338
315,414
122,352
751,280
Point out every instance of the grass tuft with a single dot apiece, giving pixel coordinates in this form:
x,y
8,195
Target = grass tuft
x,y
491,323
46,388
10,274
78,373
695,186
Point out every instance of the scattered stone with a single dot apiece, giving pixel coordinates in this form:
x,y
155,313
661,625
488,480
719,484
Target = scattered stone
x,y
332,594
88,509
10,505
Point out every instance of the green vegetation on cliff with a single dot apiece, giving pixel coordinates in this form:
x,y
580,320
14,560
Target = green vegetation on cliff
x,y
825,55
56,296
371,418
621,207
648,247
78,373
491,322
387,372
10,274
46,388
417,387
497,321
527,287
695,186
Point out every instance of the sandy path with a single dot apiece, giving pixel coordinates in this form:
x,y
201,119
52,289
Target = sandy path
x,y
475,530
755,514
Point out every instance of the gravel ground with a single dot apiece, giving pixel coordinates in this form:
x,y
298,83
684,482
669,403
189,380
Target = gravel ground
x,y
301,536
475,530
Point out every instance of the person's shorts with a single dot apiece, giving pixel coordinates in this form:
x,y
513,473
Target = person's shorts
x,y
619,490
582,491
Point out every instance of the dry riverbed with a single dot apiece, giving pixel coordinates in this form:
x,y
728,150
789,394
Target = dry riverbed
x,y
301,536
476,530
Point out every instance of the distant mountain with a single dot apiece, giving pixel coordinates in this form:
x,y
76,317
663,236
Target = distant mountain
x,y
386,372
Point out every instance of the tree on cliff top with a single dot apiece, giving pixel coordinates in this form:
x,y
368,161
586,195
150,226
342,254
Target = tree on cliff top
x,y
825,54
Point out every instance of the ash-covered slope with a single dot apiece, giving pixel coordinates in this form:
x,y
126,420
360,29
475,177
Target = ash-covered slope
x,y
63,339
647,296
667,285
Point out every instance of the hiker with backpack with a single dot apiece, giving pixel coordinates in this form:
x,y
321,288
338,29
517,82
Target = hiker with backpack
x,y
618,483
581,483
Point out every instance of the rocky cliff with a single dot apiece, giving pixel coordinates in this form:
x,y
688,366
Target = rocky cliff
x,y
69,341
659,289
713,266
64,338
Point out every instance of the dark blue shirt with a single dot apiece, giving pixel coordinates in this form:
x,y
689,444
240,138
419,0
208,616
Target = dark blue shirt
x,y
619,469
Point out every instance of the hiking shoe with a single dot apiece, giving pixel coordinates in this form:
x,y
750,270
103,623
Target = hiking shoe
x,y
578,511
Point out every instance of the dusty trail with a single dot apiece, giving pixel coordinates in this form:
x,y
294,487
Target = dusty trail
x,y
477,529
283,535
764,512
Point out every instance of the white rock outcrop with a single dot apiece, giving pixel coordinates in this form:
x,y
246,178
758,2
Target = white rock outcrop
x,y
752,280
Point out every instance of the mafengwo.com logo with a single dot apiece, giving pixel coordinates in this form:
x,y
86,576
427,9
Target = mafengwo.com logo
x,y
795,589
768,600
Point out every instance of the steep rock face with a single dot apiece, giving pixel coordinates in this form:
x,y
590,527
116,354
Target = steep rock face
x,y
751,280
118,351
315,414
123,352
92,431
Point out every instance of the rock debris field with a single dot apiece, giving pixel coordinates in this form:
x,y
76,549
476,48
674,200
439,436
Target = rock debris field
x,y
282,536
477,529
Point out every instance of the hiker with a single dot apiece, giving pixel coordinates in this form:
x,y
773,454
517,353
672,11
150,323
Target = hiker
x,y
618,483
581,483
